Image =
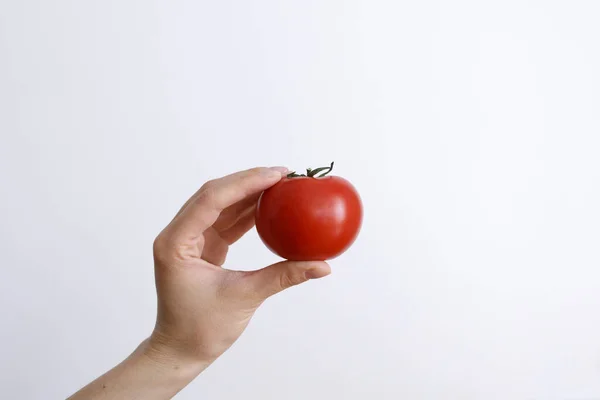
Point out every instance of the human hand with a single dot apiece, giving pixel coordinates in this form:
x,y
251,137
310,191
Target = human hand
x,y
202,307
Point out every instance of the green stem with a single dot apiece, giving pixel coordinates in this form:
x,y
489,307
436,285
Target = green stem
x,y
312,173
325,170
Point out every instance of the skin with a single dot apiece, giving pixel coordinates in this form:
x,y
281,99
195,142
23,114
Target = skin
x,y
202,307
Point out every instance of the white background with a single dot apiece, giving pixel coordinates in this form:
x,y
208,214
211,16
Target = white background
x,y
470,128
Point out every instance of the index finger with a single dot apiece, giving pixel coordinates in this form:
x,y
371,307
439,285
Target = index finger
x,y
216,195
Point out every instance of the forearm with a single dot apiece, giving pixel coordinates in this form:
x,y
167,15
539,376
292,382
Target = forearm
x,y
147,373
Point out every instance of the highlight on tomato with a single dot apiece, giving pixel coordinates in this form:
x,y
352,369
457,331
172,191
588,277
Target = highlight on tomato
x,y
309,217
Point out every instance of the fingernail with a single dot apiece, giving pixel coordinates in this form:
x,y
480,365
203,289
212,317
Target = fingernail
x,y
283,170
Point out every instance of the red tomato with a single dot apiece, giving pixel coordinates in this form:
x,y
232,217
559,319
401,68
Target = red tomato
x,y
308,218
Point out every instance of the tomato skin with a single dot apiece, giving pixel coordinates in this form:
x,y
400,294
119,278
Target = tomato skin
x,y
309,219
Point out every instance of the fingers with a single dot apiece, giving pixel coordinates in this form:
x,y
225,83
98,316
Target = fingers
x,y
277,277
244,223
215,196
216,252
232,214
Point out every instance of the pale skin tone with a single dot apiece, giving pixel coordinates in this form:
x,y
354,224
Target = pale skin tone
x,y
202,306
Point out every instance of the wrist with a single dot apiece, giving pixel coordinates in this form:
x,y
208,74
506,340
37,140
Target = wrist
x,y
151,372
168,357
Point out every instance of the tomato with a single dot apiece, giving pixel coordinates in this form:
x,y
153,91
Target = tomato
x,y
309,217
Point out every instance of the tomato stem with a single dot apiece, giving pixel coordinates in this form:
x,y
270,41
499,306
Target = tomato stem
x,y
312,173
325,170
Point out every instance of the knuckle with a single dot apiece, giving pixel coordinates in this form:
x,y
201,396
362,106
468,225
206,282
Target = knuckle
x,y
159,246
208,194
244,183
163,247
289,279
169,251
210,184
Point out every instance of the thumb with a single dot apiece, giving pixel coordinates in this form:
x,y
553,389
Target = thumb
x,y
277,277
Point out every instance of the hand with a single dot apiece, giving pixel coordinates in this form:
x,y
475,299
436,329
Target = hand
x,y
202,307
